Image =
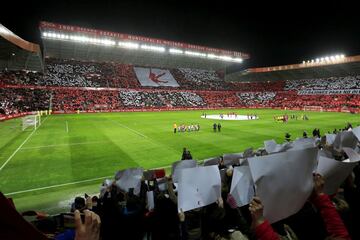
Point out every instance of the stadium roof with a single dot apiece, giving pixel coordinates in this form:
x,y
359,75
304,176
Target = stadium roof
x,y
18,54
312,69
72,42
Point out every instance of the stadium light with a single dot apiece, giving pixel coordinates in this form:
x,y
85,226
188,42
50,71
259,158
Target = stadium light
x,y
240,60
152,48
326,59
77,38
198,54
225,58
176,51
129,45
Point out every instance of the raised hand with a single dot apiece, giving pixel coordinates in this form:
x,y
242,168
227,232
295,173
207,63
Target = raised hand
x,y
256,209
90,229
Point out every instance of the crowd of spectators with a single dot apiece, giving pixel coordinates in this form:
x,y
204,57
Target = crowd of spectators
x,y
157,99
273,86
259,99
216,99
84,100
292,100
331,83
19,100
208,89
20,78
117,213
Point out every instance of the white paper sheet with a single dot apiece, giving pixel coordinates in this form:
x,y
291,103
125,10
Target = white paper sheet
x,y
302,143
242,186
162,184
272,147
356,132
353,156
150,200
345,139
283,181
330,138
334,172
176,166
198,187
129,178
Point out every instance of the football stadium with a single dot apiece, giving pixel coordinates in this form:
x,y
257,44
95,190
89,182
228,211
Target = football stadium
x,y
114,135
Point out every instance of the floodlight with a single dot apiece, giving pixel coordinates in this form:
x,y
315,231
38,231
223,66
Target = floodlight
x,y
317,60
238,60
225,58
130,45
211,56
303,62
176,51
342,56
152,48
199,54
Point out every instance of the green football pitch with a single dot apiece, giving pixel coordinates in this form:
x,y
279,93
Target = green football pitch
x,y
69,155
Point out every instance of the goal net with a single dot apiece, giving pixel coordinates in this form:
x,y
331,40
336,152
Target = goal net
x,y
313,108
31,121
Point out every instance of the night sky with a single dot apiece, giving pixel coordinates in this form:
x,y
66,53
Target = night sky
x,y
273,32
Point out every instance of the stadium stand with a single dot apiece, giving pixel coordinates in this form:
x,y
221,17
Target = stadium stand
x,y
332,83
90,86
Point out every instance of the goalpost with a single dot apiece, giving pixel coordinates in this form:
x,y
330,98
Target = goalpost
x,y
313,108
31,120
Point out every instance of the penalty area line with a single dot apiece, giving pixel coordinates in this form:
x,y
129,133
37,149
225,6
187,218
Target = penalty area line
x,y
22,144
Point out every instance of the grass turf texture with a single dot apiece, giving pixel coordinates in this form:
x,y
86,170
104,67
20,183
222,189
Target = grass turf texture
x,y
97,145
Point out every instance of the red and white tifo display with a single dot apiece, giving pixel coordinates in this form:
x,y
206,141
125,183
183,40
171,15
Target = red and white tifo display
x,y
231,117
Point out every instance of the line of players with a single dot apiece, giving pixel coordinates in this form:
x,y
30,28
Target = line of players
x,y
44,112
186,128
285,118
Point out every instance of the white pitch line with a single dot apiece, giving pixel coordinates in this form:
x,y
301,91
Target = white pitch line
x,y
65,144
73,183
67,127
58,185
28,137
136,132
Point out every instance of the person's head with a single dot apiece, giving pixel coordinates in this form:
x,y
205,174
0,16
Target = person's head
x,y
79,204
